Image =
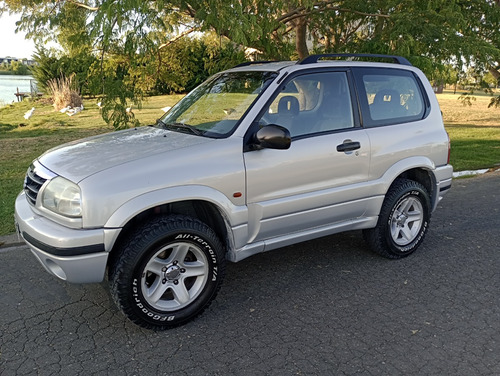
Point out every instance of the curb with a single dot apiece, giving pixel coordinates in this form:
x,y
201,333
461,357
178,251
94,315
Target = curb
x,y
11,240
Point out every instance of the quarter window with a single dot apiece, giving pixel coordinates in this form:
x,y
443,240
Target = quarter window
x,y
390,96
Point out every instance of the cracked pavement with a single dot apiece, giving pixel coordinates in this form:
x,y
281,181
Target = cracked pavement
x,y
324,307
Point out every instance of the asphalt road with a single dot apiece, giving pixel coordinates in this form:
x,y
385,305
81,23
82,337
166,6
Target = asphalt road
x,y
325,307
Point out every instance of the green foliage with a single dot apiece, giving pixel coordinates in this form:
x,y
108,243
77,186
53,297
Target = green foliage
x,y
49,67
490,80
73,35
476,80
19,68
15,67
137,37
179,66
114,77
444,74
220,56
183,65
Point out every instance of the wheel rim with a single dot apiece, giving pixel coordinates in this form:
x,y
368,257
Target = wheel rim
x,y
406,221
175,276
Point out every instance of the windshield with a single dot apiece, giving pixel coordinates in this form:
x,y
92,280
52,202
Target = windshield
x,y
215,108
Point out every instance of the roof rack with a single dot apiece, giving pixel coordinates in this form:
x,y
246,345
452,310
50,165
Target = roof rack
x,y
314,58
247,63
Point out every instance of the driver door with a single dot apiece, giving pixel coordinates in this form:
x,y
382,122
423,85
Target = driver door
x,y
317,181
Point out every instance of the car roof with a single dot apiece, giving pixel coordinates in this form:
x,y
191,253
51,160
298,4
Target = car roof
x,y
273,66
315,61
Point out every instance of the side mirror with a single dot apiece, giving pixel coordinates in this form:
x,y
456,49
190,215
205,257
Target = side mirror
x,y
273,137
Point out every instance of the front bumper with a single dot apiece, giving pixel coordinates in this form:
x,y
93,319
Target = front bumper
x,y
73,255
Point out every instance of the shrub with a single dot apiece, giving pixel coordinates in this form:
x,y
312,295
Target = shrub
x,y
49,66
63,92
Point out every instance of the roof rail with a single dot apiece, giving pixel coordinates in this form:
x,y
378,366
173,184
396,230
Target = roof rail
x,y
314,58
247,63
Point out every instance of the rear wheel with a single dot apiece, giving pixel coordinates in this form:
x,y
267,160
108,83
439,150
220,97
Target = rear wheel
x,y
403,220
168,272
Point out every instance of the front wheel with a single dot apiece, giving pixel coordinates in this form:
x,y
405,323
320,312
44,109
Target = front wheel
x,y
403,220
168,272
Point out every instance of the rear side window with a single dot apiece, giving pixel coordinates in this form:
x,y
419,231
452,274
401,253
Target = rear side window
x,y
389,96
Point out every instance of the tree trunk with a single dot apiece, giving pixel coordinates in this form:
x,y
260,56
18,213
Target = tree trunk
x,y
300,38
494,72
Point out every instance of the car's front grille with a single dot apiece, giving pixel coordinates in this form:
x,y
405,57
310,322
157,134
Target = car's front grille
x,y
32,184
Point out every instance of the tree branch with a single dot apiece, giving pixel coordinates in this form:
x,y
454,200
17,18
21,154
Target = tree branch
x,y
176,38
320,7
81,5
295,15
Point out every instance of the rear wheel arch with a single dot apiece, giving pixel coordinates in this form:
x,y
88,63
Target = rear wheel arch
x,y
422,176
403,220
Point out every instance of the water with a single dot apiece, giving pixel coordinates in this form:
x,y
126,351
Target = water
x,y
9,85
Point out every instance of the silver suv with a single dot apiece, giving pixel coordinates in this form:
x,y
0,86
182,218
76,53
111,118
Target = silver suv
x,y
256,158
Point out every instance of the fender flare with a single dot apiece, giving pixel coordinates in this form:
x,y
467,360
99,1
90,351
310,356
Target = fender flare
x,y
407,164
235,215
411,163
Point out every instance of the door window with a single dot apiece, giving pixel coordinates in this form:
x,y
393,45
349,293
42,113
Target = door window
x,y
312,103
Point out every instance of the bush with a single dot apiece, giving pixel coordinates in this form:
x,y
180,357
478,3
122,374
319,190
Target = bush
x,y
188,62
63,92
50,67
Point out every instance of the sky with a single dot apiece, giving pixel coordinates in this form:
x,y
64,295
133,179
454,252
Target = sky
x,y
13,44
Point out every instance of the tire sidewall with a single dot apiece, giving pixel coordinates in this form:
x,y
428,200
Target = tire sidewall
x,y
139,306
413,190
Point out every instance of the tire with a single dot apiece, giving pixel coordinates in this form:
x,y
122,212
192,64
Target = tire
x,y
403,220
168,272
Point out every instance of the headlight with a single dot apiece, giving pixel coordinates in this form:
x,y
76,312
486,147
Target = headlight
x,y
62,197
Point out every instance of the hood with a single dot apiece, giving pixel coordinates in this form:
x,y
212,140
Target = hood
x,y
80,159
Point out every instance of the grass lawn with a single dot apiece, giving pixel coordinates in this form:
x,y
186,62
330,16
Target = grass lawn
x,y
474,133
20,145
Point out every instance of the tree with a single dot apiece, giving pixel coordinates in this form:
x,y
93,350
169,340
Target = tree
x,y
19,68
132,33
185,64
434,28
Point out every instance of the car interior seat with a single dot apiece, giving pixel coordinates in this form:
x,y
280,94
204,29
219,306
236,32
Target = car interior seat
x,y
288,111
386,104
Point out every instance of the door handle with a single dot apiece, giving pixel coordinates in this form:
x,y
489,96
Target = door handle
x,y
348,146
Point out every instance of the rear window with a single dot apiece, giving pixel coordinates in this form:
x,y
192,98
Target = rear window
x,y
389,96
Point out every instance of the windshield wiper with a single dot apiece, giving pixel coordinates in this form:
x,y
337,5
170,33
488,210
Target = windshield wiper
x,y
191,128
160,123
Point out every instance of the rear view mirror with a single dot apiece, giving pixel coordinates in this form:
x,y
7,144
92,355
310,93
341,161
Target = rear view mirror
x,y
273,137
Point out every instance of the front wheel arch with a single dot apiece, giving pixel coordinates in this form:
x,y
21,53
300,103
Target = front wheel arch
x,y
205,211
167,271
